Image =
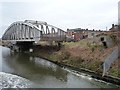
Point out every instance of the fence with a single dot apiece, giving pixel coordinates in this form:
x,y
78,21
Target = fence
x,y
110,59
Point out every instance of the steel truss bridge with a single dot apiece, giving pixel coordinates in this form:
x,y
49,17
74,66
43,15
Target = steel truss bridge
x,y
36,31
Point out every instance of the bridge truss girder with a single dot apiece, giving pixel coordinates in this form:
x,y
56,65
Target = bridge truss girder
x,y
33,30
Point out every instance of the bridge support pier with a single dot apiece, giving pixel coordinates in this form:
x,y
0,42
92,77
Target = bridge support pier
x,y
14,48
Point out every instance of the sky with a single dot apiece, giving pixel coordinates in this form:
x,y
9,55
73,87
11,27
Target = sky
x,y
91,14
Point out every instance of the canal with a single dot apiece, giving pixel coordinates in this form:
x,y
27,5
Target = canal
x,y
44,74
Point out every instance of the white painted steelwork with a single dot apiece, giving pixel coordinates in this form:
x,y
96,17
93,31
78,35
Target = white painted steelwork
x,y
30,30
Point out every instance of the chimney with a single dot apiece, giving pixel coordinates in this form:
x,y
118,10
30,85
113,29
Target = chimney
x,y
112,25
67,30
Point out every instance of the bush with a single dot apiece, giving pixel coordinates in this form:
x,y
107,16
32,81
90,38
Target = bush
x,y
94,65
88,44
76,59
63,55
114,72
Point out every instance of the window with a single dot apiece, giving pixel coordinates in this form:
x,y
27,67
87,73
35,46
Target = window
x,y
102,38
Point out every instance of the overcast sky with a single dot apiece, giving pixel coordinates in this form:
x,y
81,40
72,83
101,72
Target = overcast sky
x,y
91,14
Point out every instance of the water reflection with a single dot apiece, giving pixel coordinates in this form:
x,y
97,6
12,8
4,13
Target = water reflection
x,y
31,67
43,73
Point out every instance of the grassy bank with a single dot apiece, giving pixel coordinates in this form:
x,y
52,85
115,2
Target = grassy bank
x,y
79,55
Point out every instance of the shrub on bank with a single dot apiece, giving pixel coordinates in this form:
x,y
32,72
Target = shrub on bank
x,y
75,61
94,65
60,56
76,56
114,72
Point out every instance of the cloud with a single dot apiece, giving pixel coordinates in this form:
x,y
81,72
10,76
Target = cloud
x,y
97,14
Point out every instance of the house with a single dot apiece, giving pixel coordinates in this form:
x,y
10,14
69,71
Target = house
x,y
93,33
79,34
114,28
76,34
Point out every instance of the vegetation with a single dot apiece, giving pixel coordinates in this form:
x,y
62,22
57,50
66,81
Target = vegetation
x,y
81,54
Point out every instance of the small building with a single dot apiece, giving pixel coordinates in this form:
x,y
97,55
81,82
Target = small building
x,y
105,39
115,30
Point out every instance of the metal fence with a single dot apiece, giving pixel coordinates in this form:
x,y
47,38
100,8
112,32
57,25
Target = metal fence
x,y
110,59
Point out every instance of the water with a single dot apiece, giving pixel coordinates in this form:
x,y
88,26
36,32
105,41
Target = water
x,y
13,81
40,73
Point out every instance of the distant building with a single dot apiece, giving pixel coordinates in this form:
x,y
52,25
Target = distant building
x,y
93,33
79,34
114,28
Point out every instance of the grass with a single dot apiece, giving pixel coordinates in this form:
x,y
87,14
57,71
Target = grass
x,y
77,54
81,43
114,72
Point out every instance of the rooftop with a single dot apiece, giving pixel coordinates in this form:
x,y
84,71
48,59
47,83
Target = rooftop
x,y
80,29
